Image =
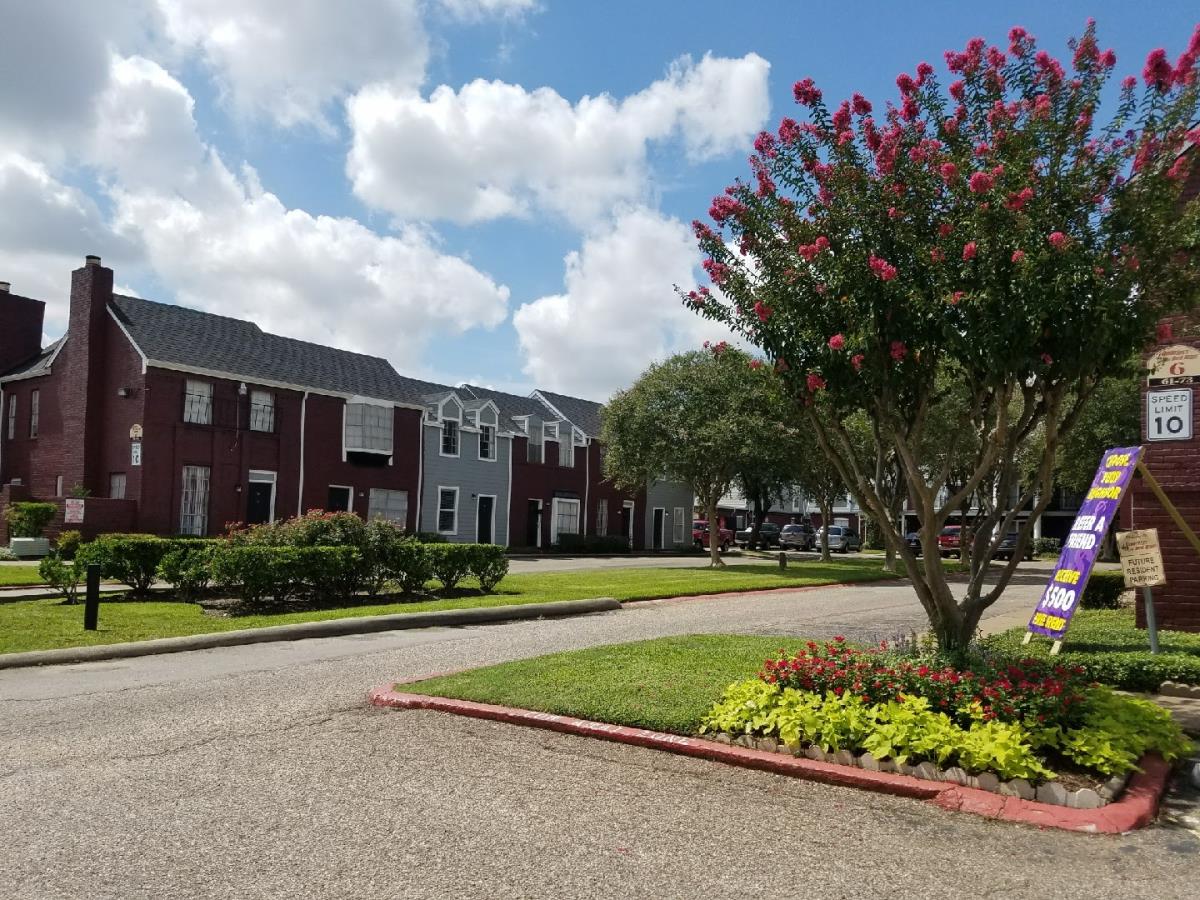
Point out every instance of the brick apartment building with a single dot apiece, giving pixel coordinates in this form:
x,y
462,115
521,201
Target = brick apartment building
x,y
173,421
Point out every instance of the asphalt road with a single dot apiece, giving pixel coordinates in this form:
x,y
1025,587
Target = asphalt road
x,y
261,772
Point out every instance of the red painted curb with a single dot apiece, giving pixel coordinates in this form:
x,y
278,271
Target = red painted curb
x,y
1135,809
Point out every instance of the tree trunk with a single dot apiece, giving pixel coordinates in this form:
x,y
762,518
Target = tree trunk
x,y
826,523
714,535
756,528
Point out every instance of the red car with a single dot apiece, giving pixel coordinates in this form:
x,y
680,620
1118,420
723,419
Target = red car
x,y
950,541
700,536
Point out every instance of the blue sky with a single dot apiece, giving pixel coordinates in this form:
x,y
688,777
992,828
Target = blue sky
x,y
421,180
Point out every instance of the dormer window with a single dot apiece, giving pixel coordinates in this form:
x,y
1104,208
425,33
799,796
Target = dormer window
x,y
449,438
487,442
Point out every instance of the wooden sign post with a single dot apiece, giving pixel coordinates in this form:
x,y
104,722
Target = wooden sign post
x,y
1142,563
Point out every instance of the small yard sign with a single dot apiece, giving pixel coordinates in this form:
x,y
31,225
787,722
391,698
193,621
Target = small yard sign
x,y
1141,558
1060,599
73,511
1169,415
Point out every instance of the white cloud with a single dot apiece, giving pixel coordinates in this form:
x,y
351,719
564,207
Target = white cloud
x,y
475,10
289,59
494,149
619,311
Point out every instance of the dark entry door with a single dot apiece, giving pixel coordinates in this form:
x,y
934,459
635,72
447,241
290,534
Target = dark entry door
x,y
258,502
483,521
533,524
658,528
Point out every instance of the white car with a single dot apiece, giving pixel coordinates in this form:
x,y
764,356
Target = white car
x,y
841,539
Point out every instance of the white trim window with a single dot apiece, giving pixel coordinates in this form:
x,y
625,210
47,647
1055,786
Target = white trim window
x,y
602,518
58,486
565,518
116,486
447,522
537,449
566,451
449,438
391,506
35,397
340,498
487,442
677,526
12,417
262,411
369,428
198,402
193,501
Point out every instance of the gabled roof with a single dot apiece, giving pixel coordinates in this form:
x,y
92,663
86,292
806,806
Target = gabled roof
x,y
583,414
39,365
175,336
511,406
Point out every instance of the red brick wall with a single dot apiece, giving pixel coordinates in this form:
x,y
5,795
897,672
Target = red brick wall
x,y
1176,466
21,322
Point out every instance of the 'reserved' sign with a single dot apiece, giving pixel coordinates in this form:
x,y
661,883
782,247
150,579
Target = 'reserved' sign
x,y
1060,599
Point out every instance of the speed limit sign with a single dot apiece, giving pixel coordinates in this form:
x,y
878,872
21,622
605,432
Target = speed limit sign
x,y
1169,415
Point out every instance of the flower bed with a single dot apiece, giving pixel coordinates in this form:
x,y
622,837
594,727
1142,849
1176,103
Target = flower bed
x,y
1030,729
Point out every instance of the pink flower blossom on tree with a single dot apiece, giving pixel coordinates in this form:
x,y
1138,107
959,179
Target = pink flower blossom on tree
x,y
806,92
883,270
980,182
949,172
970,248
1157,72
756,364
837,342
762,311
899,350
945,229
857,361
815,382
1058,240
1018,256
1047,359
860,104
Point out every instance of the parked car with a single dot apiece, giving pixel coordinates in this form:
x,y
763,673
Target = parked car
x,y
949,541
700,536
913,539
798,537
768,536
841,539
1007,548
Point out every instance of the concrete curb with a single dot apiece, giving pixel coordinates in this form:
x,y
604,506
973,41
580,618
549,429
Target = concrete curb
x,y
330,628
1135,809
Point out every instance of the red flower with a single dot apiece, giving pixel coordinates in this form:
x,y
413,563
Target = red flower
x,y
815,382
883,270
949,172
980,182
1018,256
837,342
945,228
860,104
1058,240
857,361
1157,72
762,311
756,364
969,251
806,92
1047,359
937,255
899,350
956,297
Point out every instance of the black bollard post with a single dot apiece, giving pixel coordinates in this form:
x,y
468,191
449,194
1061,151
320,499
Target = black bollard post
x,y
782,559
91,605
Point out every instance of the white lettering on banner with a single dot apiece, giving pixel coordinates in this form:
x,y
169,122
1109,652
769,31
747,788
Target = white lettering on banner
x,y
1057,597
1081,541
1084,523
1102,525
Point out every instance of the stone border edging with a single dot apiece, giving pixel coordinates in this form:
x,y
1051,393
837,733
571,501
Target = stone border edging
x,y
1135,809
476,615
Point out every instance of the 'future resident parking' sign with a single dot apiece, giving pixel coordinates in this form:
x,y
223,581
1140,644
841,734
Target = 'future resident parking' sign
x,y
1060,599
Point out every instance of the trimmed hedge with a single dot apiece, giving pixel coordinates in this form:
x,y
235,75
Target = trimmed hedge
x,y
29,519
1046,546
1103,591
1113,650
187,566
410,564
489,565
132,559
451,562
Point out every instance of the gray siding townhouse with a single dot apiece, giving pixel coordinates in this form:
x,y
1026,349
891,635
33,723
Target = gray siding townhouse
x,y
467,476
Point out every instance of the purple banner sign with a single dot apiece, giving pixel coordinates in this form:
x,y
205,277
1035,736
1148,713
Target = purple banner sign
x,y
1060,599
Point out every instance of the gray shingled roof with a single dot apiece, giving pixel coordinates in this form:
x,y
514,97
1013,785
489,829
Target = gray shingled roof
x,y
176,335
39,365
510,405
583,414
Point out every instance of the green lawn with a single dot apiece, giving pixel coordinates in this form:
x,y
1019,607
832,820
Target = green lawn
x,y
1108,643
46,624
19,575
666,684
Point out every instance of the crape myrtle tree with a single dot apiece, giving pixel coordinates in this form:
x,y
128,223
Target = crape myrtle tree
x,y
700,418
995,233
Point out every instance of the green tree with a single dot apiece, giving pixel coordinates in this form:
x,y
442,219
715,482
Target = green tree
x,y
1110,418
986,235
699,418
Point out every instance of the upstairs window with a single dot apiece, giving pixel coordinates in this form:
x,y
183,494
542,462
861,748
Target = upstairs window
x,y
262,411
487,441
12,417
34,402
566,453
449,438
197,403
536,448
368,428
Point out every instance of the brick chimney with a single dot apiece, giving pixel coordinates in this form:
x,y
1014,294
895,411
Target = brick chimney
x,y
21,320
82,364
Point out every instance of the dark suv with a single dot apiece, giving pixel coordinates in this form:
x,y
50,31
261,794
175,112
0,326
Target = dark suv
x,y
798,537
1007,548
768,536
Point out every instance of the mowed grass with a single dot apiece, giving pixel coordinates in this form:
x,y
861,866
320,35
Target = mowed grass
x,y
666,684
47,624
20,575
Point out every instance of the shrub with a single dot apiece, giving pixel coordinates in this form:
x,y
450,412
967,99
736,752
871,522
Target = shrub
x,y
187,565
489,565
63,575
68,544
1046,546
318,528
409,563
328,573
377,553
451,563
1103,591
256,572
29,520
431,537
592,543
6,555
130,558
